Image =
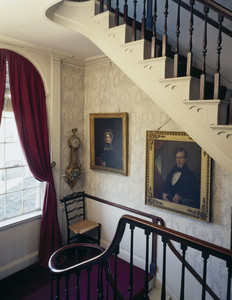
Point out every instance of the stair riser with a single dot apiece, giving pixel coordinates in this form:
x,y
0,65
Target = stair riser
x,y
158,68
138,50
120,34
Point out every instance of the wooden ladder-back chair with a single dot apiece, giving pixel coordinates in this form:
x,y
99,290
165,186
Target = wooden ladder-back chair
x,y
78,227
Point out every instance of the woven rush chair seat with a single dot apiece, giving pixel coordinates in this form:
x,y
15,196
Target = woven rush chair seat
x,y
83,226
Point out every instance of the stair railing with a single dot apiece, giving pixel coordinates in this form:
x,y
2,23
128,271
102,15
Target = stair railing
x,y
160,46
160,221
58,259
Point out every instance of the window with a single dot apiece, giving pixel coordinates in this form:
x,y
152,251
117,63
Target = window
x,y
20,192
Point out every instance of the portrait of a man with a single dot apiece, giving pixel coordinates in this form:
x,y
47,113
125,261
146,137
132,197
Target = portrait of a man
x,y
180,185
178,174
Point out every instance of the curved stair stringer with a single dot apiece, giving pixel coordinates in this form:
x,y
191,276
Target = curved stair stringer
x,y
172,95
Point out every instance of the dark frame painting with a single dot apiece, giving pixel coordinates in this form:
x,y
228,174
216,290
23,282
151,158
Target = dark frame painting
x,y
109,142
178,174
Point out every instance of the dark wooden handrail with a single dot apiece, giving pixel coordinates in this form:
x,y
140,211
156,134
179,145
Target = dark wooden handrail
x,y
157,220
211,21
166,233
217,7
132,210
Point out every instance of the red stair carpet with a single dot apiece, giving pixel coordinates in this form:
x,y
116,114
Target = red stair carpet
x,y
27,289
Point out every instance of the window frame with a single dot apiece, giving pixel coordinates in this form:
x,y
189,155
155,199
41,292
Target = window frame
x,y
23,216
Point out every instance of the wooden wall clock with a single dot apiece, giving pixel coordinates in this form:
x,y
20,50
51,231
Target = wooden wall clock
x,y
73,171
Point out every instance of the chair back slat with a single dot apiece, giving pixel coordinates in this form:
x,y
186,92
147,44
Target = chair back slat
x,y
74,205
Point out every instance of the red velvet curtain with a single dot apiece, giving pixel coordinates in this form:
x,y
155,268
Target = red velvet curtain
x,y
2,81
29,106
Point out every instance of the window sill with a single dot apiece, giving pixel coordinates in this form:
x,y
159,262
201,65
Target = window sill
x,y
5,224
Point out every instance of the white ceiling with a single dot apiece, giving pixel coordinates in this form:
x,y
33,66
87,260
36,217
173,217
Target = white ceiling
x,y
25,20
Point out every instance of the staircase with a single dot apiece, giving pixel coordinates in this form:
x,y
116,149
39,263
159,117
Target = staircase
x,y
202,120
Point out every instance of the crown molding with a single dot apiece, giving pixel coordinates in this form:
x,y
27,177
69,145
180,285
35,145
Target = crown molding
x,y
97,60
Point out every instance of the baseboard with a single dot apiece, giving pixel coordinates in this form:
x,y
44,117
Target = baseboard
x,y
18,264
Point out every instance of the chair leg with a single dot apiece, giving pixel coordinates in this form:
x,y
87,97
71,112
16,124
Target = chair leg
x,y
99,234
68,241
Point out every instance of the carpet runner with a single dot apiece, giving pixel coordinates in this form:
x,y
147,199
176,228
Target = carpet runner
x,y
123,284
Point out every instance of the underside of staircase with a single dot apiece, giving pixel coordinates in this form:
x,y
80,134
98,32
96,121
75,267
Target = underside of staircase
x,y
202,120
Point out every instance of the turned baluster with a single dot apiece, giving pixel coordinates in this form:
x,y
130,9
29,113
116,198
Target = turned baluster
x,y
117,13
190,47
131,279
176,56
184,248
164,43
163,289
101,7
125,15
145,296
108,4
116,252
204,50
134,23
229,266
154,38
143,25
217,75
205,257
230,123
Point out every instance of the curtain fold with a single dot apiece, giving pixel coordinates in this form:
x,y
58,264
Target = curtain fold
x,y
2,80
29,106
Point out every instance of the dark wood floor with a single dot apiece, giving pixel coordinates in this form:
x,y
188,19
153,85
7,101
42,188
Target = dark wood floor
x,y
23,283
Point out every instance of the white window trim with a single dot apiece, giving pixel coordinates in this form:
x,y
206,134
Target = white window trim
x,y
8,223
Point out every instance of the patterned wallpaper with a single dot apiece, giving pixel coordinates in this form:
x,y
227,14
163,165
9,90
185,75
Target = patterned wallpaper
x,y
107,89
72,116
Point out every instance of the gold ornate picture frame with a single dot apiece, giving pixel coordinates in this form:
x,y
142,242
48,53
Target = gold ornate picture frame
x,y
109,142
185,189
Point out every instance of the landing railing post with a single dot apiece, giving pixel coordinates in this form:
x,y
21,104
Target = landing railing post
x,y
88,283
145,297
229,266
51,294
58,288
77,285
153,266
100,283
163,291
205,257
131,279
116,252
184,248
67,287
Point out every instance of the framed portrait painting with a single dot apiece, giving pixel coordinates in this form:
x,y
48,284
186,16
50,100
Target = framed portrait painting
x,y
109,142
178,174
